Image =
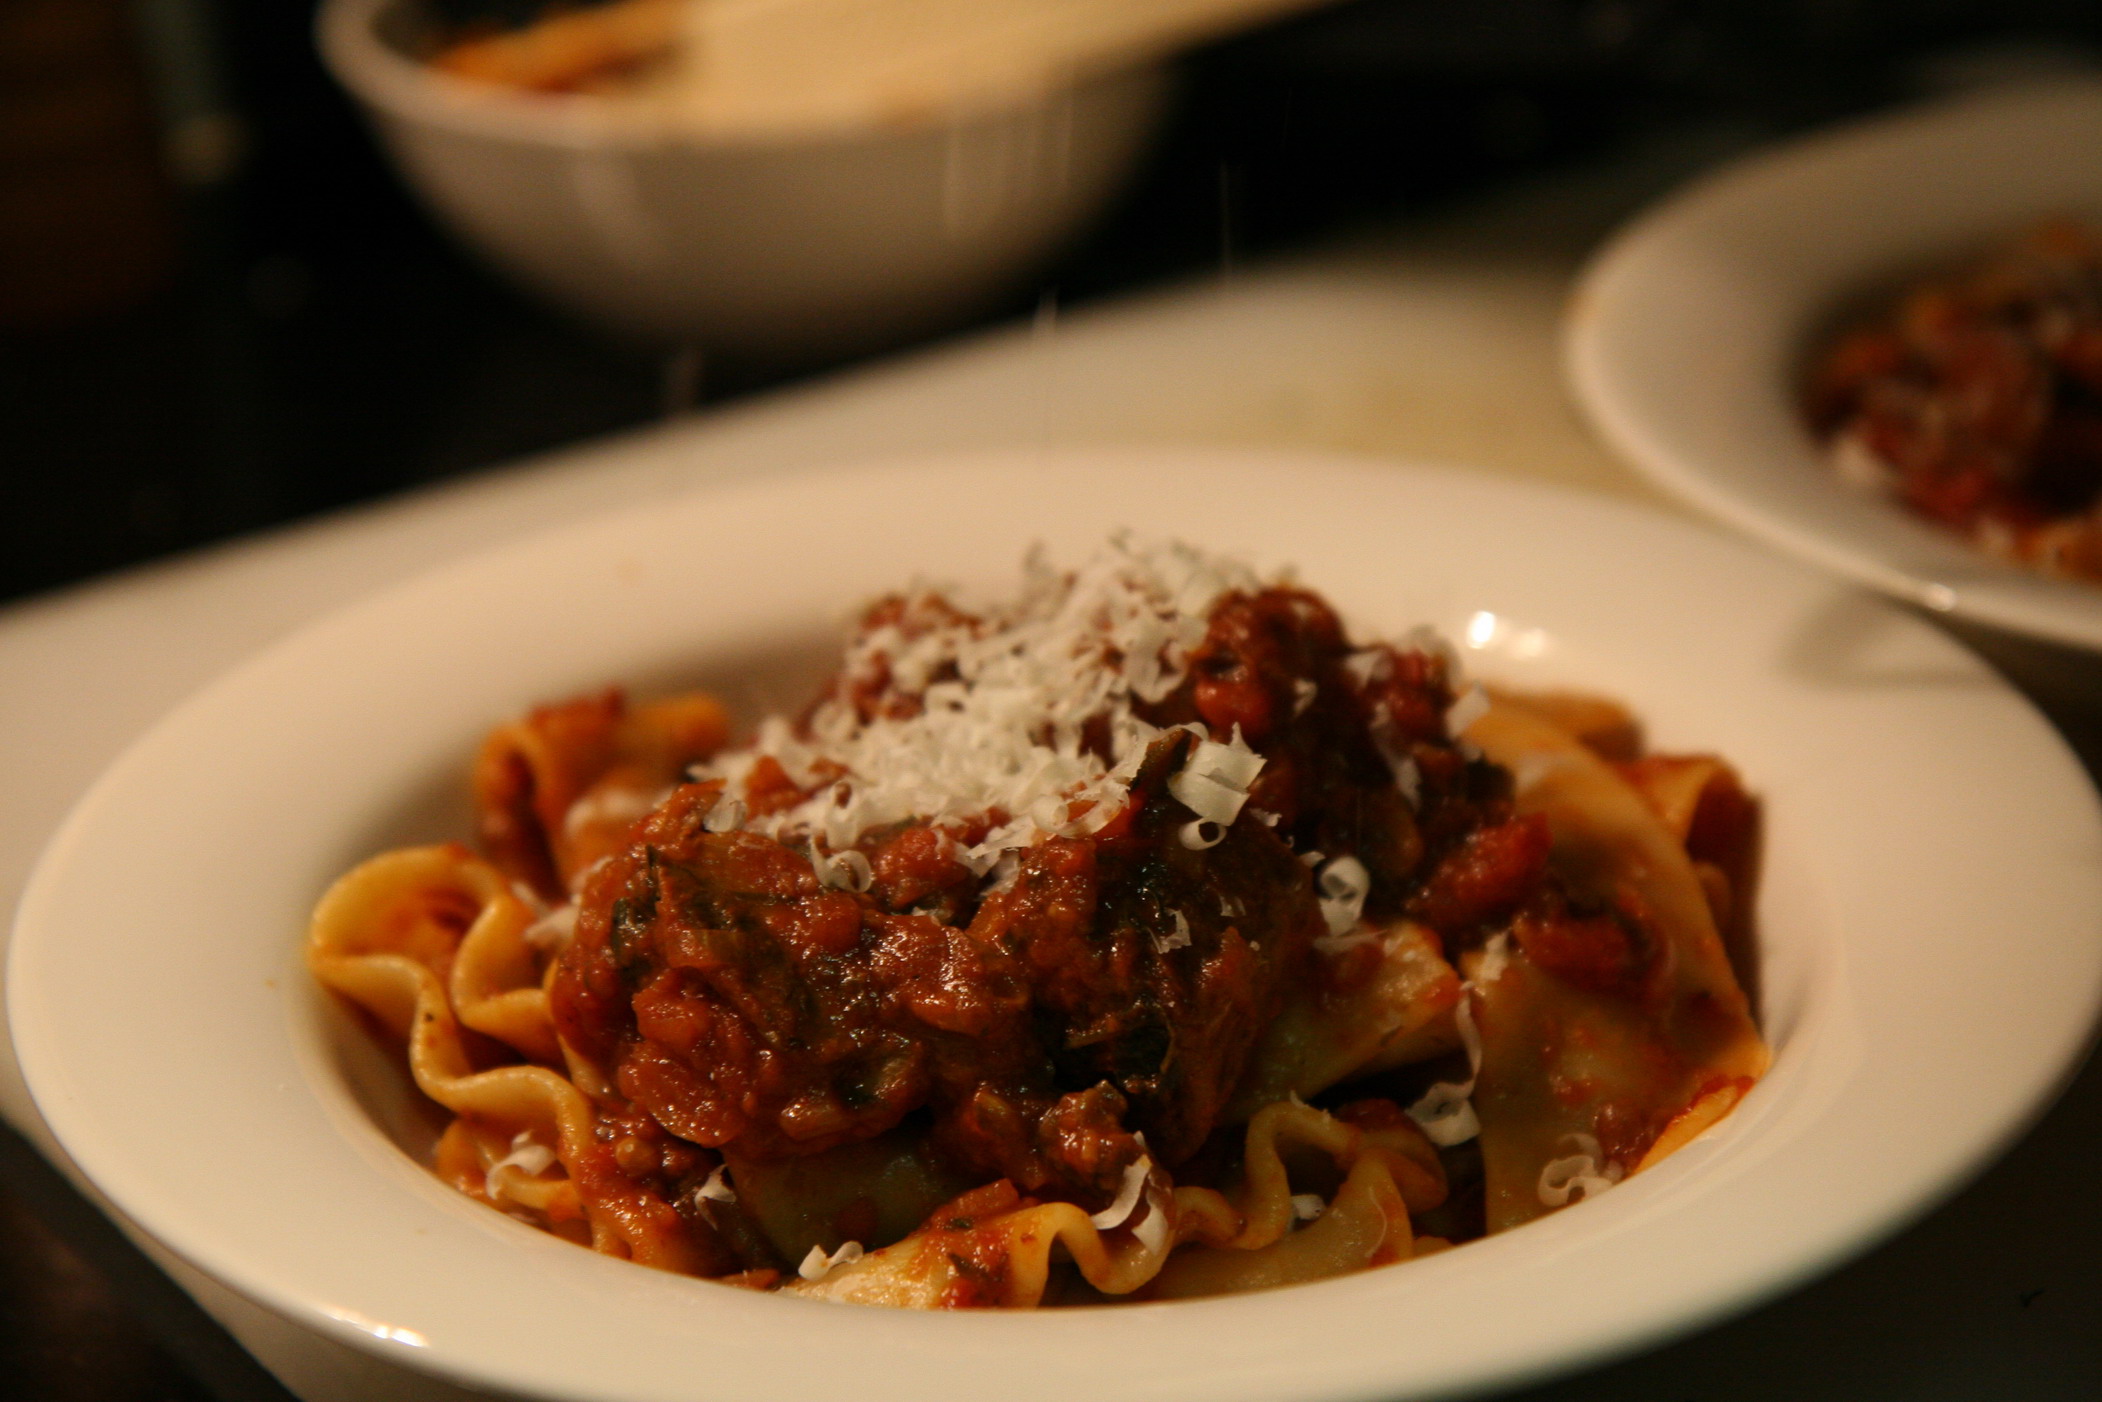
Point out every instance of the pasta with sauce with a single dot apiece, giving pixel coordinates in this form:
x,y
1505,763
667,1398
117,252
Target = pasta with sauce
x,y
1139,937
1975,400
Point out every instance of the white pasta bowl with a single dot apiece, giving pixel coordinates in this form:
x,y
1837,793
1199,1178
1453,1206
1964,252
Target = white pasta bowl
x,y
1688,335
182,1057
788,244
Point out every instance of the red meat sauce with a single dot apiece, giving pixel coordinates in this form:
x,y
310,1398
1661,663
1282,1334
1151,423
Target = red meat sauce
x,y
739,1010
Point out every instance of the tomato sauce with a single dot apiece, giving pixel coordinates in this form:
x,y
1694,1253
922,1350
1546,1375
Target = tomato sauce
x,y
1979,397
1111,988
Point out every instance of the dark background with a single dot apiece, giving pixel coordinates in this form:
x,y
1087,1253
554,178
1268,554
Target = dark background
x,y
219,311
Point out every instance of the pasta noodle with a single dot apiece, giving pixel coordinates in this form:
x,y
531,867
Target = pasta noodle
x,y
1138,938
1682,1042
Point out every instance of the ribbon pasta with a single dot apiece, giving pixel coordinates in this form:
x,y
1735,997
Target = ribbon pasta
x,y
1686,1048
430,942
927,1063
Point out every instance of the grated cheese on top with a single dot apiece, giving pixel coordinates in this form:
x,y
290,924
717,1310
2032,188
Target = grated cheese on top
x,y
983,711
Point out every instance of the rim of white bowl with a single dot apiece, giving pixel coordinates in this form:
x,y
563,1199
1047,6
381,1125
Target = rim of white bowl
x,y
346,33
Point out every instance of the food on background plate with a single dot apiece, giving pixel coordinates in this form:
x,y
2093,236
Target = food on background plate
x,y
890,60
614,46
1140,936
1976,400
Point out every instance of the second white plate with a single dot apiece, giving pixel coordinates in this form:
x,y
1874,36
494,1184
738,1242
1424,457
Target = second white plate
x,y
1687,335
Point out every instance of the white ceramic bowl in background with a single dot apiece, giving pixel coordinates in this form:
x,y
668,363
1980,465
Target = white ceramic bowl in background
x,y
1688,335
182,1057
787,247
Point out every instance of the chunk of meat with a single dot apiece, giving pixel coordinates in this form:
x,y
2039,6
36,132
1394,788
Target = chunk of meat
x,y
1104,992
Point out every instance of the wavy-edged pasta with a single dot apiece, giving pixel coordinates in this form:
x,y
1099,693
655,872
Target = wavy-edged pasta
x,y
1142,937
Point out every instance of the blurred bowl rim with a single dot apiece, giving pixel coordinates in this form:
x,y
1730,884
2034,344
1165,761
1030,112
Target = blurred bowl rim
x,y
380,74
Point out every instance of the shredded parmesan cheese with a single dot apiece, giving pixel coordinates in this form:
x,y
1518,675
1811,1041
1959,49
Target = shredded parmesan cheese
x,y
945,714
1471,707
1152,1229
1179,940
1496,957
1213,782
1408,779
717,1188
1577,1174
1368,665
615,805
1128,1194
817,1265
727,815
552,930
846,869
1200,833
1343,884
1445,1112
1470,1035
1431,643
528,1157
